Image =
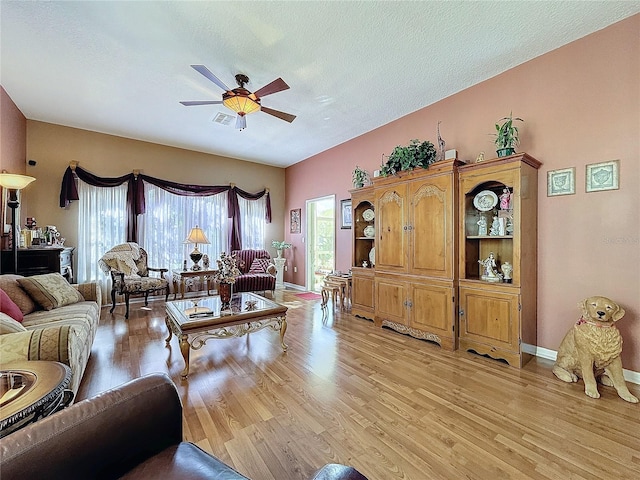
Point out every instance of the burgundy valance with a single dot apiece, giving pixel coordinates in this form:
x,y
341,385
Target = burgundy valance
x,y
136,199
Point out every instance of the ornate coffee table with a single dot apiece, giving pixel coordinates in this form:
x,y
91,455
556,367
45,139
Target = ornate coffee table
x,y
201,319
31,390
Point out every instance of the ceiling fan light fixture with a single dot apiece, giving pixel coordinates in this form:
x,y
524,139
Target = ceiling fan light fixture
x,y
241,101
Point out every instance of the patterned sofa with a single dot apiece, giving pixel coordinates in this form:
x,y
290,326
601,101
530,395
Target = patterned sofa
x,y
63,333
261,277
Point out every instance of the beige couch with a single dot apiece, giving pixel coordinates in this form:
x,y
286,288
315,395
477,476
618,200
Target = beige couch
x,y
64,334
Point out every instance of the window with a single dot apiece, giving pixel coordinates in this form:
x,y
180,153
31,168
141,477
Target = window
x,y
169,219
252,219
102,220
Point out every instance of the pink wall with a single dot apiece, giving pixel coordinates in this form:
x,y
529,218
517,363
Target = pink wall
x,y
13,136
581,105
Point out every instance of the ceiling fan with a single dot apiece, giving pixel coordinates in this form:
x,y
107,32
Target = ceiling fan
x,y
241,100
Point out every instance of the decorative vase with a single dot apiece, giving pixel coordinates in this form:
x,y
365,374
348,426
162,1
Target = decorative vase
x,y
225,290
505,152
280,253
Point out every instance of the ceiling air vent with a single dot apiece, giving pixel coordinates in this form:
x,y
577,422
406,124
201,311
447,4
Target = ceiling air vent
x,y
223,118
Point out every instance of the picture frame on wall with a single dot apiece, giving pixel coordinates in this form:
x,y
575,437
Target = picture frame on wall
x,y
561,182
603,176
346,219
295,220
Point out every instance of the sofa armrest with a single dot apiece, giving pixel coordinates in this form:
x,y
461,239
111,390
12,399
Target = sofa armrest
x,y
102,437
91,292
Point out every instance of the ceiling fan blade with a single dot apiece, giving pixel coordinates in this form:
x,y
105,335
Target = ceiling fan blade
x,y
207,73
287,117
273,87
241,122
204,102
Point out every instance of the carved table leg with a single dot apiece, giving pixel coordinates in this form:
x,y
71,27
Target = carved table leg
x,y
283,330
168,323
184,348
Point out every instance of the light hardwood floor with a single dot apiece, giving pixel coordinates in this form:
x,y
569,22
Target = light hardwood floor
x,y
390,405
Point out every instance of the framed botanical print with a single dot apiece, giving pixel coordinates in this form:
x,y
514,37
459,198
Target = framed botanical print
x,y
603,176
295,220
345,213
561,182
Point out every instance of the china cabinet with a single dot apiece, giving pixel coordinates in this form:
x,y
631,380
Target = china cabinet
x,y
363,254
497,269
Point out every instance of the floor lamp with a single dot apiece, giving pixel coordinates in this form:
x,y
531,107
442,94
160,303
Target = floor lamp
x,y
13,183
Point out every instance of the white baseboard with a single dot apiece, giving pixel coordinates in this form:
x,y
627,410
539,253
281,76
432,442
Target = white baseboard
x,y
294,286
629,375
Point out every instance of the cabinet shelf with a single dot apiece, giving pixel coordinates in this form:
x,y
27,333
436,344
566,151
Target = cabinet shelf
x,y
365,238
489,237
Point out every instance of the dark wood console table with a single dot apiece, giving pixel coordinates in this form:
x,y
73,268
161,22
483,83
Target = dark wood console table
x,y
40,260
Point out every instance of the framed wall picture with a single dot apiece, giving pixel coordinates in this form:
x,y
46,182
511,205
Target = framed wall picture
x,y
603,176
561,182
345,213
295,220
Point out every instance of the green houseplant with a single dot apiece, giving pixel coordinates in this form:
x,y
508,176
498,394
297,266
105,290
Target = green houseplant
x,y
506,134
360,177
415,155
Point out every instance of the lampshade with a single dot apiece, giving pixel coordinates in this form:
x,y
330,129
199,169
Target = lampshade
x,y
241,101
197,236
14,181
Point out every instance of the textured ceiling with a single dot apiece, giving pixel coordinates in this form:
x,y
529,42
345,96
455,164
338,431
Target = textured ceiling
x,y
122,67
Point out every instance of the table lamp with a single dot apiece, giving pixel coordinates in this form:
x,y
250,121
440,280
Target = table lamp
x,y
13,182
196,236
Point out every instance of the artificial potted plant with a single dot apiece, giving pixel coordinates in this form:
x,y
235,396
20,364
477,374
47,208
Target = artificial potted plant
x,y
415,155
279,246
507,136
360,177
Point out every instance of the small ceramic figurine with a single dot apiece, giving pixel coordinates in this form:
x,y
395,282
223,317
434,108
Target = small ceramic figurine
x,y
495,227
480,157
505,199
482,226
205,261
489,273
507,269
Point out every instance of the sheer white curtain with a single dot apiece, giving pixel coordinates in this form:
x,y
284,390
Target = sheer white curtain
x,y
252,219
102,224
168,220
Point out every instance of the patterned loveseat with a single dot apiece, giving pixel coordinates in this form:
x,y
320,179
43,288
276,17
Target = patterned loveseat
x,y
257,276
63,333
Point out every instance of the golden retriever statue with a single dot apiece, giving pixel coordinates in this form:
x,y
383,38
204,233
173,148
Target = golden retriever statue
x,y
592,348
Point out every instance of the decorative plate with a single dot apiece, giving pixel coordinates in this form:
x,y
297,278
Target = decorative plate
x,y
369,231
368,215
485,200
372,256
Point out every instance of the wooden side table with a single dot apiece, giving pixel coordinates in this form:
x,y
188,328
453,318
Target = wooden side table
x,y
30,391
180,278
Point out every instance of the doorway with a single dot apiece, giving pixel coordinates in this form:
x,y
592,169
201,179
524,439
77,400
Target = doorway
x,y
321,240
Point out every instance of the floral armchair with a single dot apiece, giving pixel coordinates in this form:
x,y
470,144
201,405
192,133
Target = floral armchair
x,y
130,274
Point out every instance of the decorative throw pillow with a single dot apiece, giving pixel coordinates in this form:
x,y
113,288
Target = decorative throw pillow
x,y
50,290
9,307
272,270
9,283
9,325
259,265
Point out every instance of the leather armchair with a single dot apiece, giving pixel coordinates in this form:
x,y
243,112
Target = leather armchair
x,y
133,431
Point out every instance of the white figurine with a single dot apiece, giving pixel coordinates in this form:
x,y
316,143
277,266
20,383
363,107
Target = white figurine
x,y
507,269
482,226
489,273
495,227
